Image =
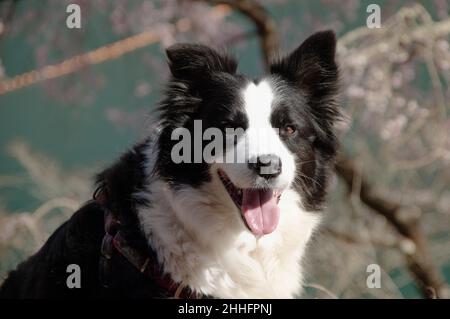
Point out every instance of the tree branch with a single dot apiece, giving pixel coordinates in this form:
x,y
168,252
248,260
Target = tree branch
x,y
425,273
265,25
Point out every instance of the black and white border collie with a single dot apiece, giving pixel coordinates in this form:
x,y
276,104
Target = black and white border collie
x,y
223,229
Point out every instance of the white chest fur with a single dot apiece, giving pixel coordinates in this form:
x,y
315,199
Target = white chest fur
x,y
202,242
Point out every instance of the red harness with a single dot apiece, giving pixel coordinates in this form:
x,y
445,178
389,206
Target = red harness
x,y
144,261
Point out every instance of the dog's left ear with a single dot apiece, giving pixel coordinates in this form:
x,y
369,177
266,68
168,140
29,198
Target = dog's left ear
x,y
194,61
312,65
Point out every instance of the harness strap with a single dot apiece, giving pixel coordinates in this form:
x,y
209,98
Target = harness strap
x,y
145,262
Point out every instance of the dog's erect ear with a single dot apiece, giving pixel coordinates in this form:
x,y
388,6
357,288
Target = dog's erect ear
x,y
191,61
312,65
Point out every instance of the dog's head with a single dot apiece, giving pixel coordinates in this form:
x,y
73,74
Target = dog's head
x,y
259,137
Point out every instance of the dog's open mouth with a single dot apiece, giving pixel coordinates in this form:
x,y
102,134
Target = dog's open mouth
x,y
258,206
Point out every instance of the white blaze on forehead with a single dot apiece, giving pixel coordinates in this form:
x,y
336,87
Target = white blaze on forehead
x,y
258,104
261,137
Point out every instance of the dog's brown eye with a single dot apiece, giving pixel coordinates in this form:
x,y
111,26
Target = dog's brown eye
x,y
289,129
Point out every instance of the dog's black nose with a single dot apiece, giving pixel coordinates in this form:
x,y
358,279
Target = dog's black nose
x,y
267,166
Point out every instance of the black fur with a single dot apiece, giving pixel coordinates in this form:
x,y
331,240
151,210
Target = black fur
x,y
308,81
204,86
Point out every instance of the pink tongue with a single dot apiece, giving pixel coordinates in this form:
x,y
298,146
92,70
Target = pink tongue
x,y
260,210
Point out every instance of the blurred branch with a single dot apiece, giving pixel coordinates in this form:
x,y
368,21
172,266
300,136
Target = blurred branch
x,y
322,289
351,240
7,14
259,16
255,12
33,222
425,273
74,64
419,34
